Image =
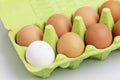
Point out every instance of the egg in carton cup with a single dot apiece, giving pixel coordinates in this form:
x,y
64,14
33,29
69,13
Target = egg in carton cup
x,y
18,13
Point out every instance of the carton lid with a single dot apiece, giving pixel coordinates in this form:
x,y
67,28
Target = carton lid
x,y
16,13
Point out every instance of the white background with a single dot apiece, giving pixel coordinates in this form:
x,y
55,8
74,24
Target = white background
x,y
12,68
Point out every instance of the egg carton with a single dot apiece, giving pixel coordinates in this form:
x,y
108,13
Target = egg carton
x,y
17,13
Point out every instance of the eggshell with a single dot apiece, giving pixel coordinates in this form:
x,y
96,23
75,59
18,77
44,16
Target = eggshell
x,y
40,53
116,29
28,34
114,6
61,24
89,15
70,44
99,36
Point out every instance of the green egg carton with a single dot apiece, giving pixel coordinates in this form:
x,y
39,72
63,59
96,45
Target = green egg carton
x,y
17,13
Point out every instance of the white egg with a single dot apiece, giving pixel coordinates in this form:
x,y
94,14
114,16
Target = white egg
x,y
40,53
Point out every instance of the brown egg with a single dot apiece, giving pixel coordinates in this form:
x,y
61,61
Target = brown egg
x,y
89,15
116,29
61,24
99,36
70,44
114,6
28,34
